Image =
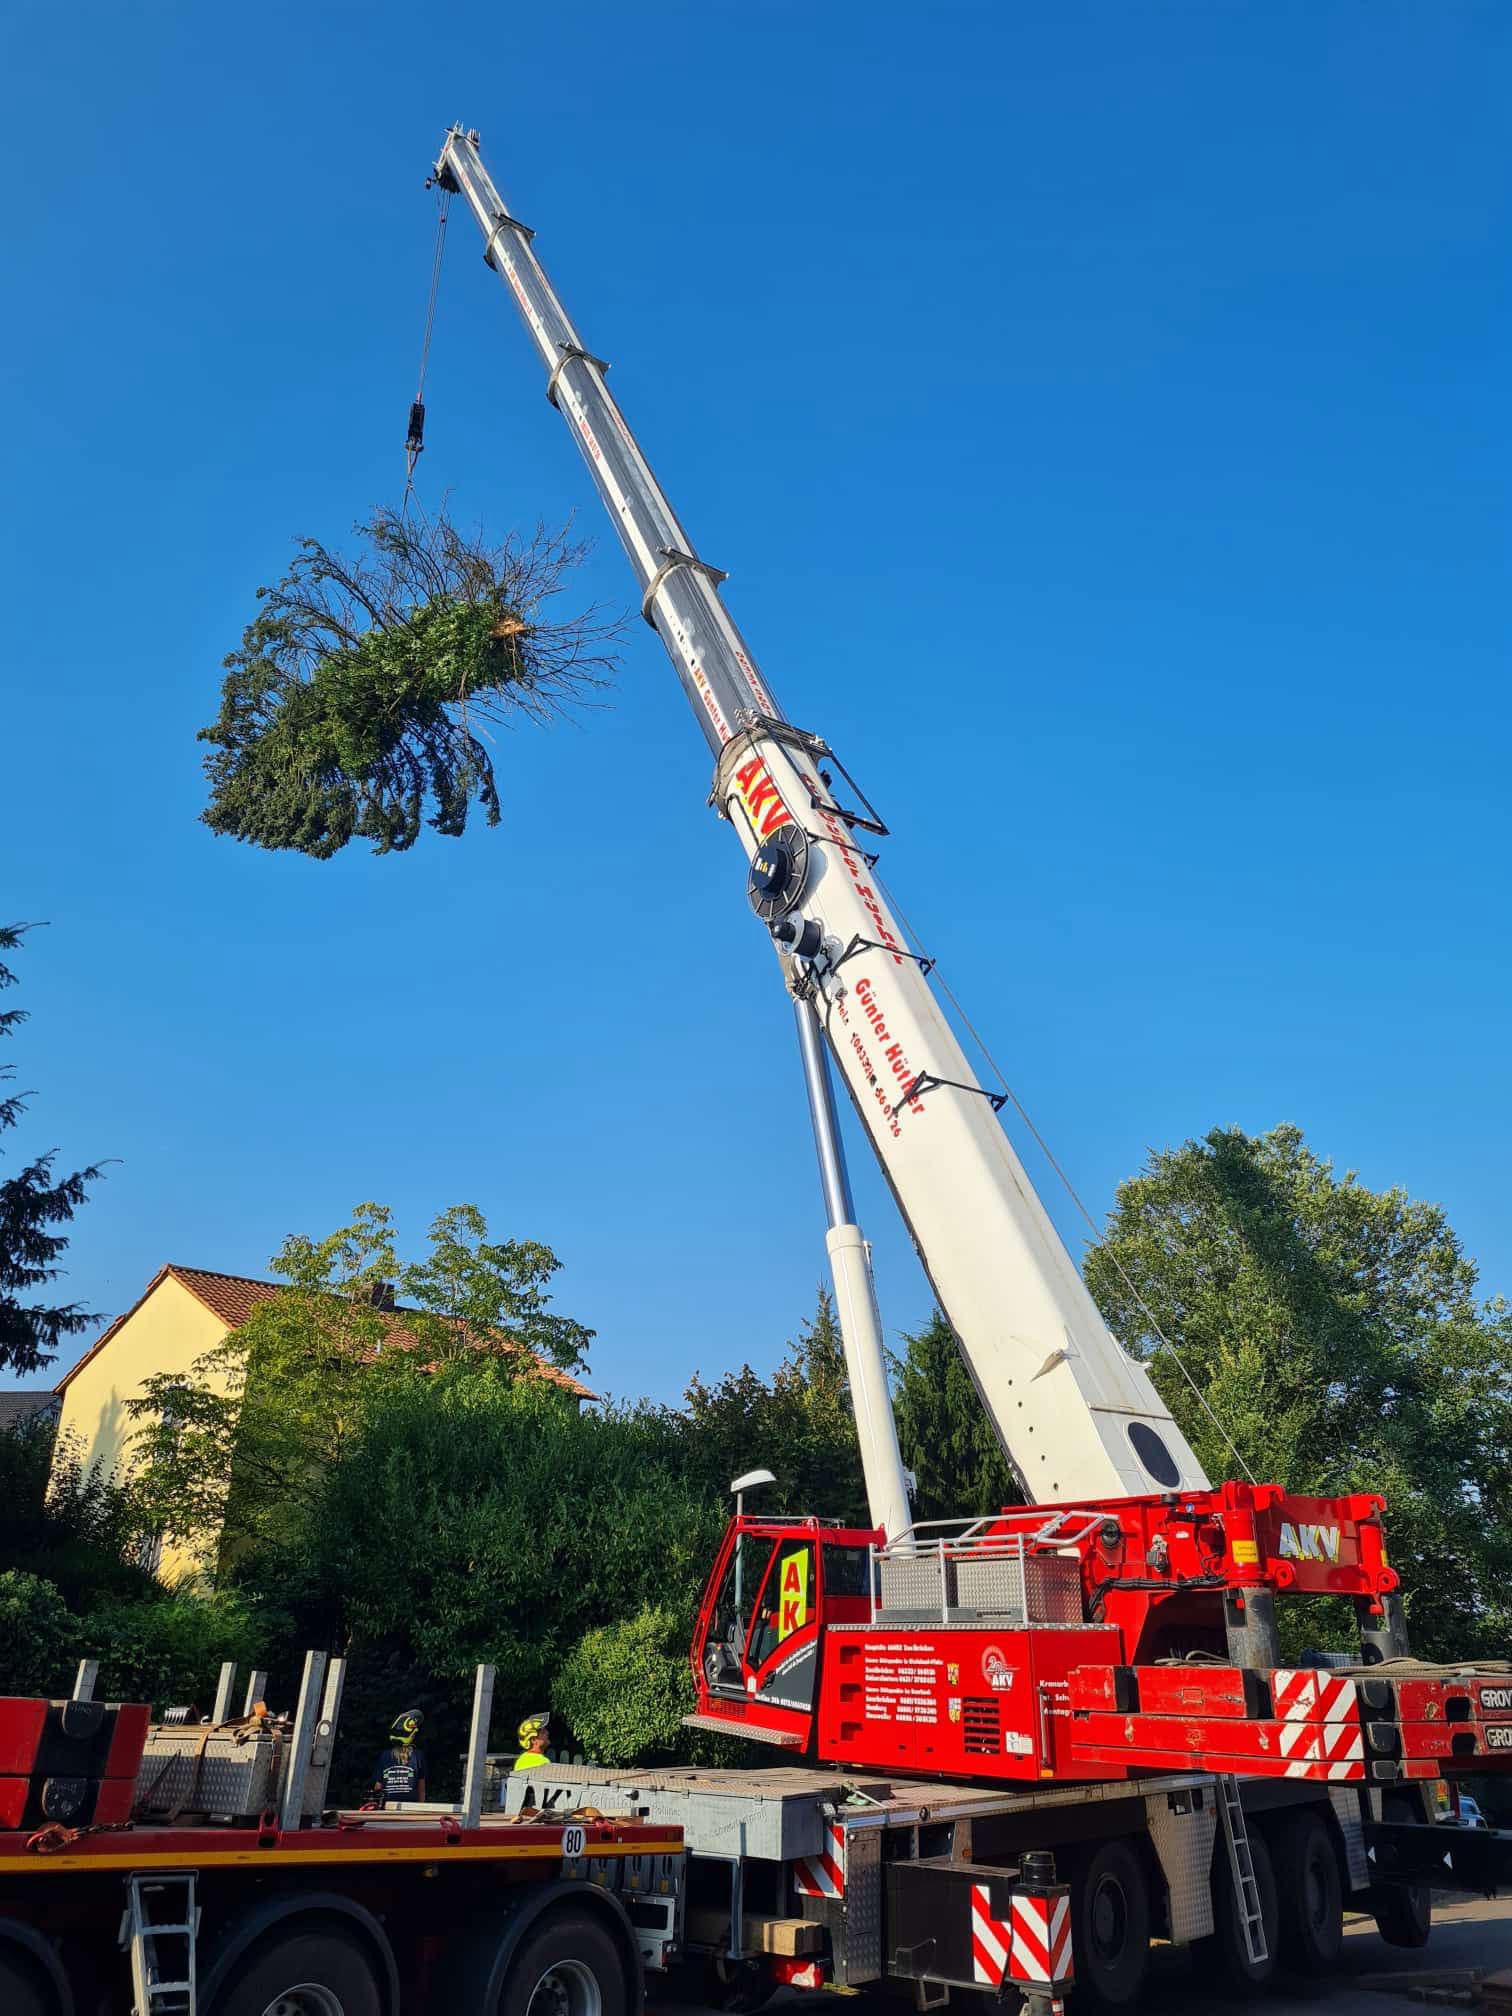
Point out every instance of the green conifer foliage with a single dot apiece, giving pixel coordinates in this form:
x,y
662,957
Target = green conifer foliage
x,y
358,703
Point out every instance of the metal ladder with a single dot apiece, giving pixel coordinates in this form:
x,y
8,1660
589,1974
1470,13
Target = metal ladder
x,y
1242,1869
160,1989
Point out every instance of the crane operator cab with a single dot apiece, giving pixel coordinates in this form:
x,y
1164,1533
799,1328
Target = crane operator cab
x,y
775,1583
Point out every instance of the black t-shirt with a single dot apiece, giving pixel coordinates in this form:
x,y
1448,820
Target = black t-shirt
x,y
400,1771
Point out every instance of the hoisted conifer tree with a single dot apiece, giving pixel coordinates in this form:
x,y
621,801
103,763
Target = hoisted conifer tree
x,y
356,698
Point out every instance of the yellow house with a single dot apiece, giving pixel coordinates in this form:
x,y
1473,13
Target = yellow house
x,y
183,1313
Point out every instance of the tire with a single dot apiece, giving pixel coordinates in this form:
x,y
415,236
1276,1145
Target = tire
x,y
22,1990
305,1971
738,1986
1309,1892
1225,1954
1110,1929
1403,1913
569,1965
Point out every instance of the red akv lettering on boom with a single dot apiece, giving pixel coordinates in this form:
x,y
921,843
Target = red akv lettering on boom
x,y
762,799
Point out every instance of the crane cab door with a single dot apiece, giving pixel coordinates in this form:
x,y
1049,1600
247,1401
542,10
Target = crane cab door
x,y
782,1648
759,1630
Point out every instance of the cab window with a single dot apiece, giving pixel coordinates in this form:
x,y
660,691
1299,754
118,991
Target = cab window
x,y
786,1603
726,1647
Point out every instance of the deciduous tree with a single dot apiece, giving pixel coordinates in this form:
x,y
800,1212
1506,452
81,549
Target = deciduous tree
x,y
1339,1339
244,1444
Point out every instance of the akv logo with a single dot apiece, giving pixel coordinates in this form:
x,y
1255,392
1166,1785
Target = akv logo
x,y
995,1670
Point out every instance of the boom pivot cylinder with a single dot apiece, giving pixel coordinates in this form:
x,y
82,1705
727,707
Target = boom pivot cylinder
x,y
855,1298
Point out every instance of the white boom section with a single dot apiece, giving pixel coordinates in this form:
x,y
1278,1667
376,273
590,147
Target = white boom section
x,y
1077,1417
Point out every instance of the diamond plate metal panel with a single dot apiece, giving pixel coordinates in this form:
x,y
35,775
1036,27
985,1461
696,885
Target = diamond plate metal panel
x,y
773,1815
188,1771
1040,1589
1182,1832
913,1583
1055,1590
992,1584
1345,1801
860,1958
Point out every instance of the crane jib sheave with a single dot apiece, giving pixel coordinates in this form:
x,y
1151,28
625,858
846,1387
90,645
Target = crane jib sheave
x,y
1077,1417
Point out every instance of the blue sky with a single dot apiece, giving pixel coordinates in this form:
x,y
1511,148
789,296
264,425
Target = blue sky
x,y
1102,412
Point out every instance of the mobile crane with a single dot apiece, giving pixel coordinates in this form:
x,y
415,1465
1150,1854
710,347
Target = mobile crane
x,y
1120,1624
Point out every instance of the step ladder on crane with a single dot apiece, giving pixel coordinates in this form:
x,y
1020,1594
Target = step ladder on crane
x,y
1242,1870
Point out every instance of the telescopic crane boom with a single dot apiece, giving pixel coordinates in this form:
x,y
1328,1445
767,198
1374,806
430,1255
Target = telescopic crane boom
x,y
1076,1415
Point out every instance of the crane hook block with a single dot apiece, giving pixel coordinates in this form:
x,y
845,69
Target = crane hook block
x,y
416,439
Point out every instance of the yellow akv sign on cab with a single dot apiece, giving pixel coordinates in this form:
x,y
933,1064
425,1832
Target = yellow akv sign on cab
x,y
792,1593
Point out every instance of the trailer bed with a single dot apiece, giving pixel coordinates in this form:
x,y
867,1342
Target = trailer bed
x,y
780,1812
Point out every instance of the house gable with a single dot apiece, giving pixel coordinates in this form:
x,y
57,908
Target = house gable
x,y
168,1330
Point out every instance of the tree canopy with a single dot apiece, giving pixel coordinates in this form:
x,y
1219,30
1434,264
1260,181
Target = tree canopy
x,y
798,1424
33,1202
356,696
252,1433
1338,1335
944,1434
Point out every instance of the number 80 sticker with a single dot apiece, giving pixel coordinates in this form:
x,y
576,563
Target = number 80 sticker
x,y
574,1843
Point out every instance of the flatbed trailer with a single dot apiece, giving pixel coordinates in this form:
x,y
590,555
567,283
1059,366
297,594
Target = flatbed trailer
x,y
372,1914
957,1886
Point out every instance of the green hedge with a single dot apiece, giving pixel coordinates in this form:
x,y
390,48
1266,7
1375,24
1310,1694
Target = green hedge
x,y
624,1688
38,1636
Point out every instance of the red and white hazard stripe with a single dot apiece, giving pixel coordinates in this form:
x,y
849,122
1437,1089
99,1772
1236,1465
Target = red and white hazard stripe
x,y
991,1939
1321,1736
1041,1949
822,1875
798,1973
1293,1692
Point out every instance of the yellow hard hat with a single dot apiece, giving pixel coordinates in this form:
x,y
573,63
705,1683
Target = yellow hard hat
x,y
534,1730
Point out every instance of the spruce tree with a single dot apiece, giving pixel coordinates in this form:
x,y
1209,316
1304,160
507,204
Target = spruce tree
x,y
944,1432
32,1202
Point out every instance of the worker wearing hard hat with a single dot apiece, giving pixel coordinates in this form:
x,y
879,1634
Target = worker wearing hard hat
x,y
399,1775
532,1733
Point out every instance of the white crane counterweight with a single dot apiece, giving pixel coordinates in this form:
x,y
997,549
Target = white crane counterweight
x,y
1077,1416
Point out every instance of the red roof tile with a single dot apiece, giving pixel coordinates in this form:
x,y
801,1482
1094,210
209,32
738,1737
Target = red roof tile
x,y
233,1297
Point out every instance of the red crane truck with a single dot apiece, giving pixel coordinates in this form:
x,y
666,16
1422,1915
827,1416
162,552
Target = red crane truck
x,y
1014,1748
1010,1751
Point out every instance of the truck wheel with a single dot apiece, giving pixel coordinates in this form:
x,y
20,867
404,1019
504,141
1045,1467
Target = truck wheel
x,y
1403,1913
303,1973
571,1965
1226,1954
1110,1928
1310,1893
22,1992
